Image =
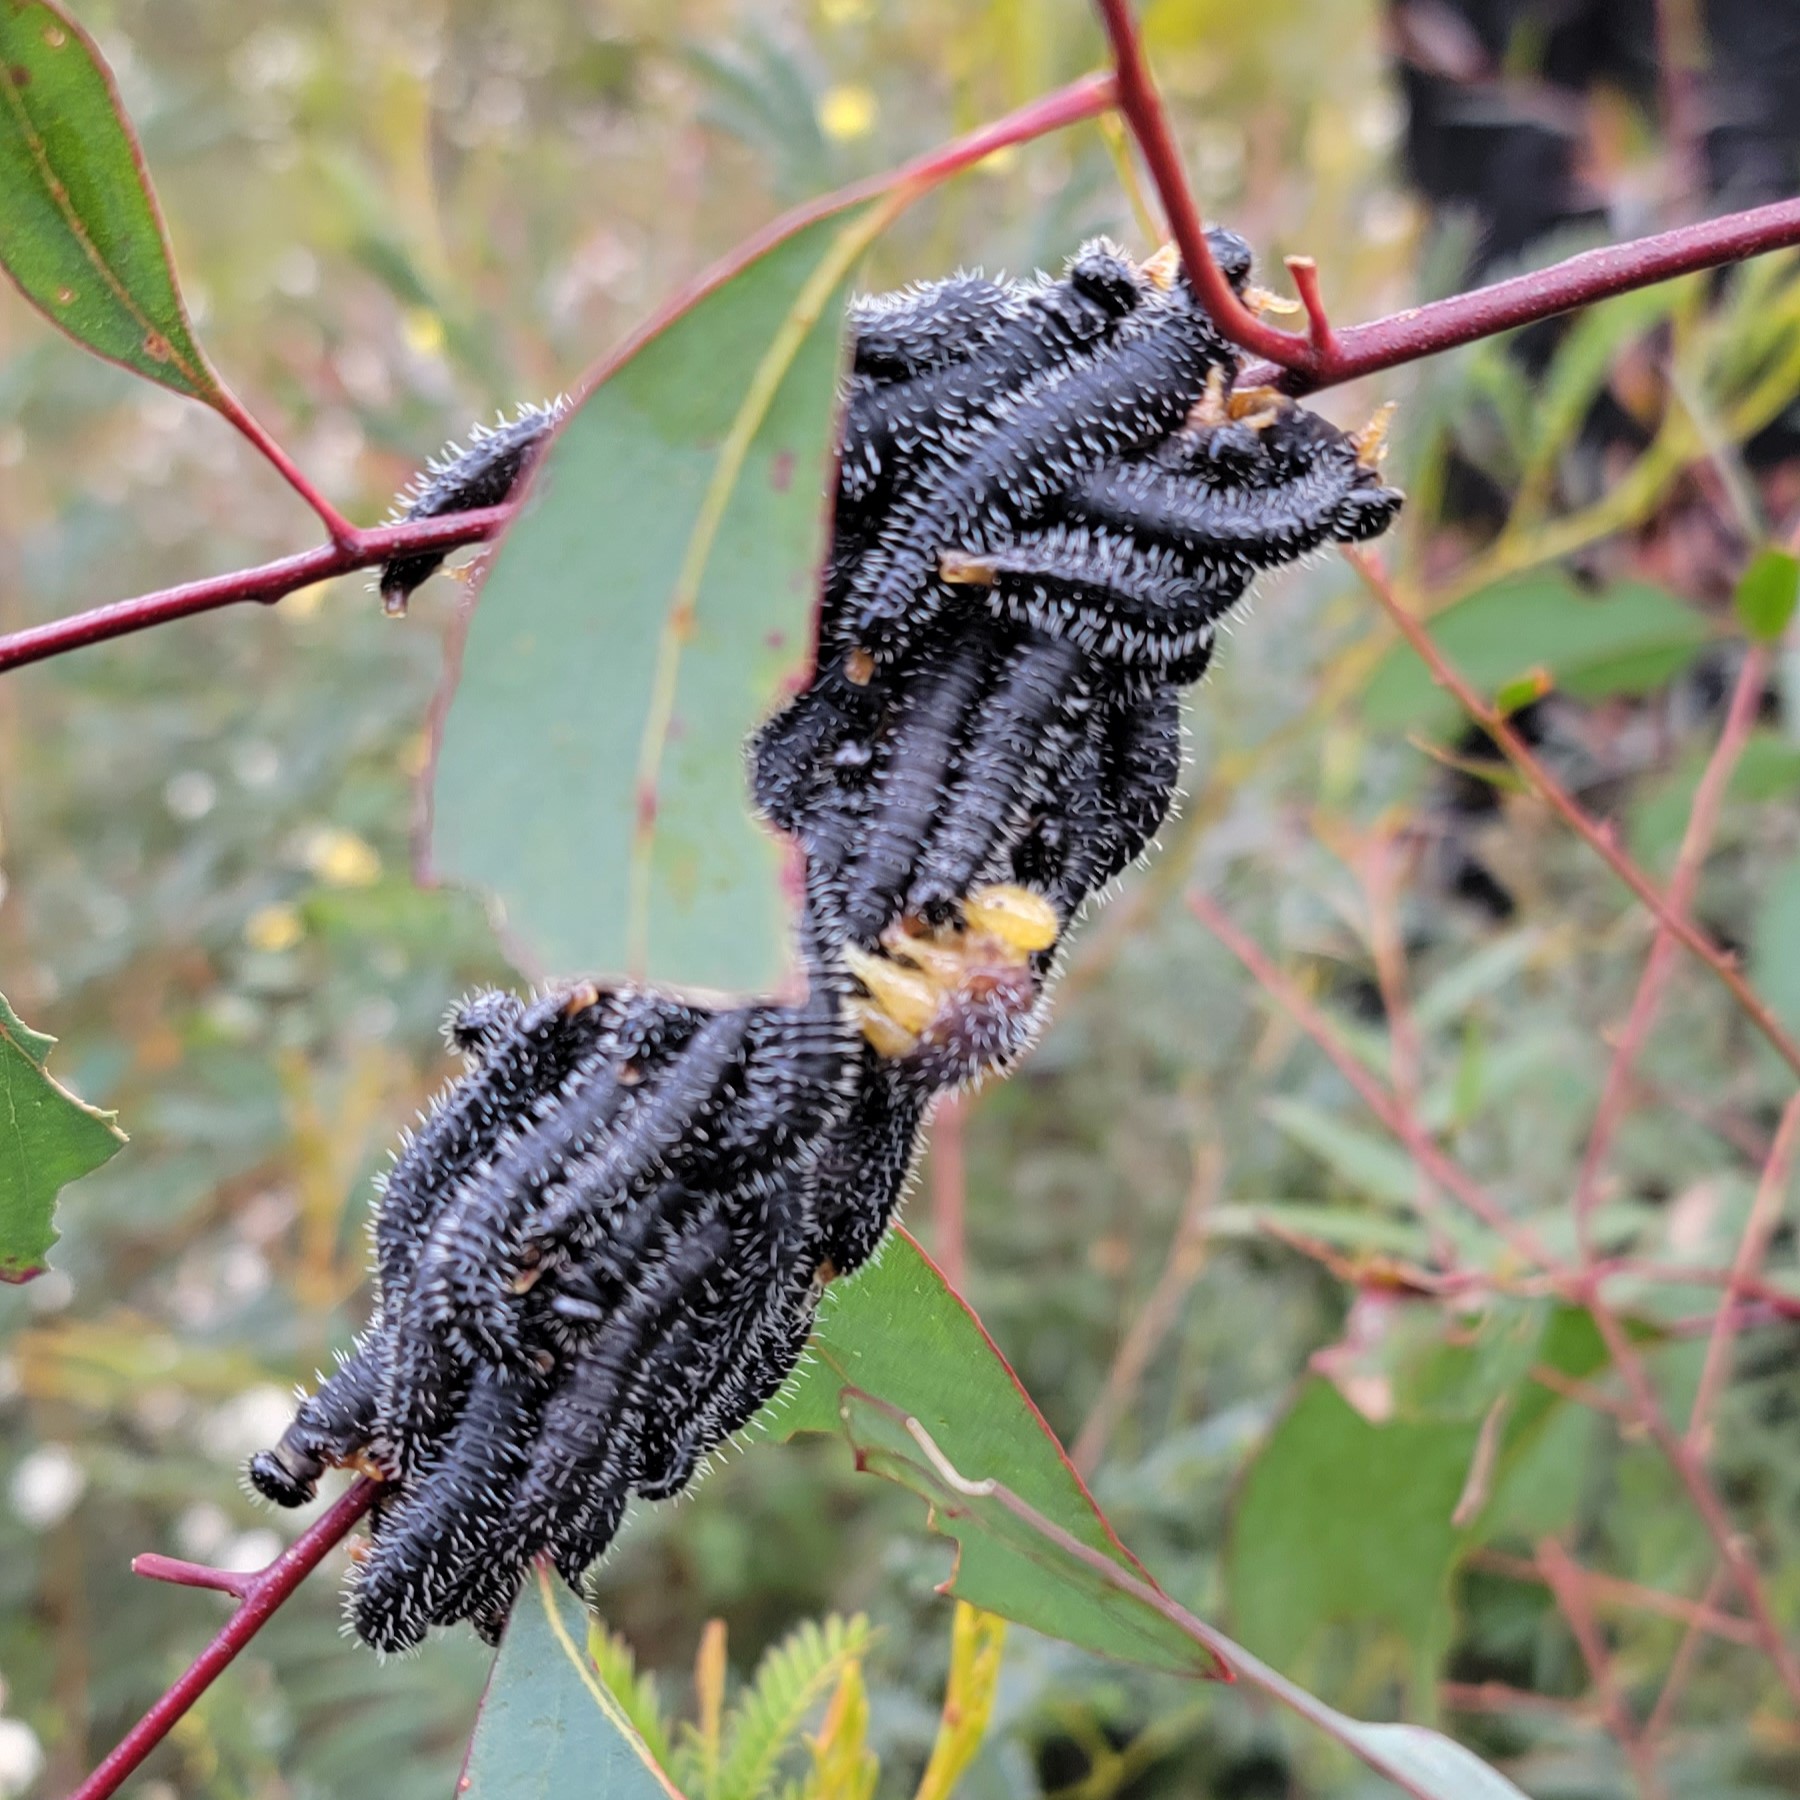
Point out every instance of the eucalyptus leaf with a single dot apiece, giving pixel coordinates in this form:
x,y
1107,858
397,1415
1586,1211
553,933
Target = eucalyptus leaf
x,y
48,1138
637,622
79,229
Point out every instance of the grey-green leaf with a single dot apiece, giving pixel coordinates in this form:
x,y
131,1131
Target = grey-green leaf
x,y
636,624
1627,640
1421,1763
79,228
549,1729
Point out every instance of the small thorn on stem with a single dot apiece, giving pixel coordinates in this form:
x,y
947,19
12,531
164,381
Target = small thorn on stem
x,y
1304,273
1371,441
154,1566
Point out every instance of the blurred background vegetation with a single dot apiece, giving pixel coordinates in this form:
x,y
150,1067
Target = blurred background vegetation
x,y
393,218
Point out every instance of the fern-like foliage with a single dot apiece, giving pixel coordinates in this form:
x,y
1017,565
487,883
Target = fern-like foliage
x,y
634,1690
793,1678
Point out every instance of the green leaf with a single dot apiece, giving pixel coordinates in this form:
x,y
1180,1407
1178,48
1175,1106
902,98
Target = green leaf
x,y
1365,1161
1475,976
891,1444
636,624
1626,641
1766,593
549,1729
1775,945
1343,1523
1544,1466
1768,769
48,1138
898,1333
79,229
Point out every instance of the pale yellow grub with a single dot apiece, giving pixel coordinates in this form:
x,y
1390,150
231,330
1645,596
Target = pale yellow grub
x,y
1161,269
880,1031
1371,441
1261,300
908,997
1257,407
966,568
1014,917
1213,408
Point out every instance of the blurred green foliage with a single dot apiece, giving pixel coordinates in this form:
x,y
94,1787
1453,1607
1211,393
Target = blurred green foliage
x,y
393,217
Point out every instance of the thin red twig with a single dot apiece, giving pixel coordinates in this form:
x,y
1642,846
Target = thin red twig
x,y
1747,1287
1703,817
1581,280
1566,1583
1580,1287
259,1597
357,549
154,1566
1304,273
1381,872
1759,1227
1687,1653
342,532
263,585
1583,1393
1706,1502
1449,1174
1608,1590
1601,837
1498,1697
1144,113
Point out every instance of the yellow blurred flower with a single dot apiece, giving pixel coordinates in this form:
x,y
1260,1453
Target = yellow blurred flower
x,y
273,928
847,111
422,330
341,859
845,12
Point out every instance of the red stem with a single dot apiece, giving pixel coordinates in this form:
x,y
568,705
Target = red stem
x,y
353,549
265,584
1602,838
154,1566
1566,1584
1703,817
1425,1152
1759,1227
1747,1287
342,532
1144,113
1581,280
262,1594
1731,1545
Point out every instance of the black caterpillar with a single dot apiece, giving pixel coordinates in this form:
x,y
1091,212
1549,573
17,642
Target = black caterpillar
x,y
601,1252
